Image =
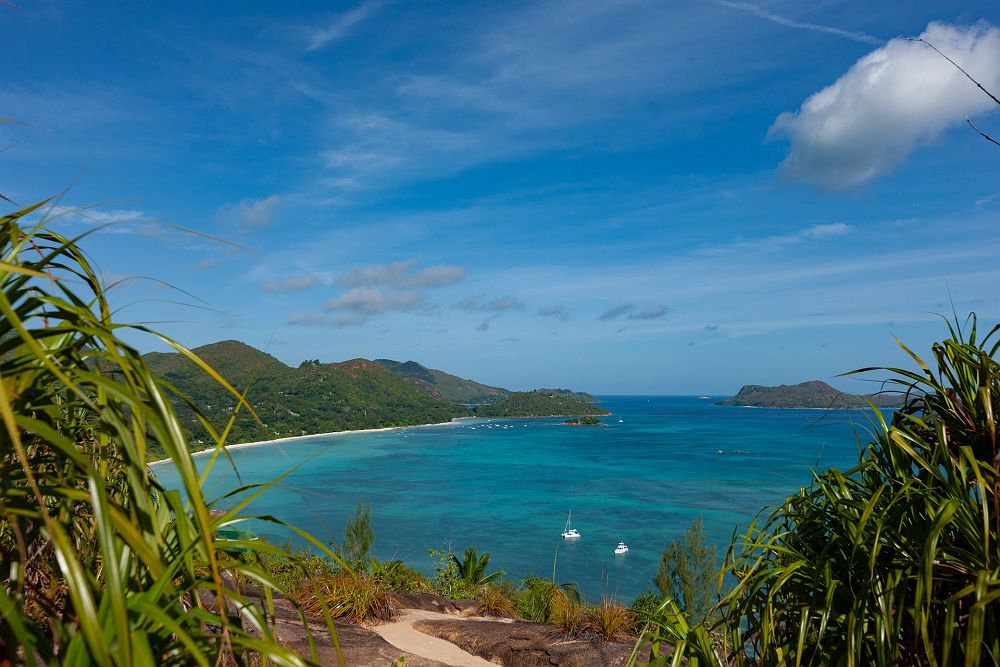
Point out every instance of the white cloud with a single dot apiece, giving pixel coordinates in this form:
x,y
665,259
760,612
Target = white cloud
x,y
891,101
401,274
373,301
341,25
250,213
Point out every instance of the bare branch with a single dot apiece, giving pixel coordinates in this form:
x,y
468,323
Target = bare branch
x,y
980,132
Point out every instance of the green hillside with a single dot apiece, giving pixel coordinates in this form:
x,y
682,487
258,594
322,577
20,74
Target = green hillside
x,y
449,387
539,404
313,398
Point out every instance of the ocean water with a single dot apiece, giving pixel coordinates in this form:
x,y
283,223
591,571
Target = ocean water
x,y
506,486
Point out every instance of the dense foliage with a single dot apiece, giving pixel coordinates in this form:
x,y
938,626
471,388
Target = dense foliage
x,y
896,561
313,398
539,404
98,563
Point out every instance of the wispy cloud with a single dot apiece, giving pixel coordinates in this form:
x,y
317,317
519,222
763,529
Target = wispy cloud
x,y
650,313
616,312
894,99
291,284
402,274
779,241
499,304
862,37
629,311
485,324
341,25
337,321
250,214
558,312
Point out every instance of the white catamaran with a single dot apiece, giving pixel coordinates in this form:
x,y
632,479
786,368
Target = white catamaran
x,y
570,533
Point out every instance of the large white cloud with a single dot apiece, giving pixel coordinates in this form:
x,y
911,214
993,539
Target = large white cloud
x,y
892,100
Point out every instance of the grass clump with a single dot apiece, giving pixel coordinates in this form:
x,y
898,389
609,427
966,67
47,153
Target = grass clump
x,y
610,620
357,598
498,600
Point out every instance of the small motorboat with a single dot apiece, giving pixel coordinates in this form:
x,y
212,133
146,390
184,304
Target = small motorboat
x,y
570,533
622,548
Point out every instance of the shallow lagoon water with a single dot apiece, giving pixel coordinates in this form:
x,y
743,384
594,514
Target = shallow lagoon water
x,y
506,486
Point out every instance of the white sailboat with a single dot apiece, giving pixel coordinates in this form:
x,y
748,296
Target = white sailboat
x,y
621,549
570,533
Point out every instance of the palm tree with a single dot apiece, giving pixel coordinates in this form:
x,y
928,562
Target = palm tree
x,y
472,568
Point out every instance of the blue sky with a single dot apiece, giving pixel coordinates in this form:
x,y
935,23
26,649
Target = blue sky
x,y
632,197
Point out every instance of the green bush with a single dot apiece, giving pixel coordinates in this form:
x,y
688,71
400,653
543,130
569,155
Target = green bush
x,y
643,608
689,572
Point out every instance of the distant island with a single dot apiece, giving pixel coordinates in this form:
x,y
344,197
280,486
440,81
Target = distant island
x,y
812,394
582,421
318,397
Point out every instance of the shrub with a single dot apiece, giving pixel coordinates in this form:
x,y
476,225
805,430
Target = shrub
x,y
689,571
539,598
399,577
359,537
644,608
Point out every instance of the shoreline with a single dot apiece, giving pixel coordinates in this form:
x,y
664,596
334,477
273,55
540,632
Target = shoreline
x,y
332,434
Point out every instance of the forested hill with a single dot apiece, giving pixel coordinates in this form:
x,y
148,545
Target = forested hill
x,y
313,398
812,394
449,387
540,403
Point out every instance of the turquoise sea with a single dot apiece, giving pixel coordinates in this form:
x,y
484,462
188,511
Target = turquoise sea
x,y
506,486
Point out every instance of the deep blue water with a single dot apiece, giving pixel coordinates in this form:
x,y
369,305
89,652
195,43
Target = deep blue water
x,y
506,486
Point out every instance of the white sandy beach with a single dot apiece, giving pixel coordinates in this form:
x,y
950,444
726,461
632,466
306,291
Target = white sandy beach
x,y
261,443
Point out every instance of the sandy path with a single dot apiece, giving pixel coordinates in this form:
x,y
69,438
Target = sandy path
x,y
402,635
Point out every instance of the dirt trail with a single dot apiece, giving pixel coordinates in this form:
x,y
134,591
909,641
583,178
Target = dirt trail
x,y
402,635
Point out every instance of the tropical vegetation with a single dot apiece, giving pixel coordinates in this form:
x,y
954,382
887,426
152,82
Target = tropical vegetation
x,y
895,561
100,564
